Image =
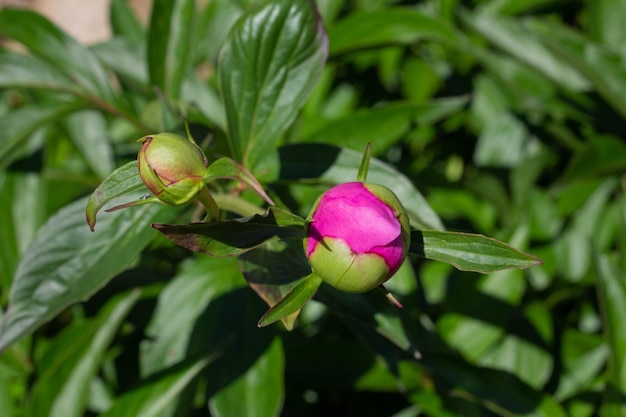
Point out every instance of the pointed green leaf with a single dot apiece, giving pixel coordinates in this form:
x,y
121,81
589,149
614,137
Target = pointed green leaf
x,y
18,124
47,41
259,392
201,282
21,70
293,300
228,168
66,263
150,399
89,132
267,68
382,126
127,59
124,21
611,282
512,37
602,66
367,29
234,237
605,23
62,388
469,252
169,44
122,181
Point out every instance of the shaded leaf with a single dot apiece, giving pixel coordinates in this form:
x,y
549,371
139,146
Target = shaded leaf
x,y
268,66
67,263
150,399
469,252
259,392
234,237
611,282
273,269
74,358
181,307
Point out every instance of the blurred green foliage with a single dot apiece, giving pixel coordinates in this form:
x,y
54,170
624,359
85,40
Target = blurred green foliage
x,y
507,115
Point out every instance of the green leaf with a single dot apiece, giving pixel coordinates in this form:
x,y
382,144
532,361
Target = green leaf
x,y
124,22
611,282
169,49
127,59
508,35
228,168
267,68
469,252
88,131
28,71
602,66
22,198
367,29
293,300
151,398
602,156
605,25
200,285
234,237
48,42
67,263
71,362
122,181
314,163
381,126
259,392
18,124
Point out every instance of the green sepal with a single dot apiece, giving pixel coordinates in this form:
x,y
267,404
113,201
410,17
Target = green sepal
x,y
293,300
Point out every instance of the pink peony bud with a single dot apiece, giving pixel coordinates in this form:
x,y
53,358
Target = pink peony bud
x,y
172,167
358,236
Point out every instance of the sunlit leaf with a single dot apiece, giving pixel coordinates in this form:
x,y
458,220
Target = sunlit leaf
x,y
469,252
368,29
268,66
122,181
67,263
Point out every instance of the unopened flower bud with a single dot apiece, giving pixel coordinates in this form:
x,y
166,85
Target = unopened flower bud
x,y
172,167
358,236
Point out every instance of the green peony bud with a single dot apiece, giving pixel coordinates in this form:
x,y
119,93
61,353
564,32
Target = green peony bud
x,y
358,236
172,167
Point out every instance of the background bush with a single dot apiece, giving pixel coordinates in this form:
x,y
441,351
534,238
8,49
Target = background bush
x,y
508,116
